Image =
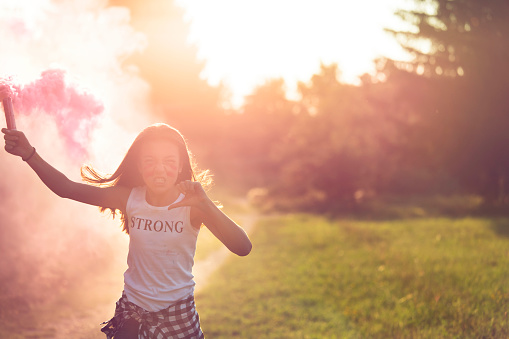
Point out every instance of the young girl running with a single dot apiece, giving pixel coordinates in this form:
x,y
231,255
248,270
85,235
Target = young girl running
x,y
162,206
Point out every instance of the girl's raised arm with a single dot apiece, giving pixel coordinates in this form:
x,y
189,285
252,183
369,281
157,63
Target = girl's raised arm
x,y
16,143
206,212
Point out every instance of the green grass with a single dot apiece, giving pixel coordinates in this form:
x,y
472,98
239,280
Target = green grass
x,y
308,277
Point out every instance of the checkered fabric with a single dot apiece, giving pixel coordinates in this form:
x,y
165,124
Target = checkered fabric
x,y
180,320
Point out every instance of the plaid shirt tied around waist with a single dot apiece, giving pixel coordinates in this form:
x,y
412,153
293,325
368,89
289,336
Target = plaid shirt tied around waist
x,y
179,320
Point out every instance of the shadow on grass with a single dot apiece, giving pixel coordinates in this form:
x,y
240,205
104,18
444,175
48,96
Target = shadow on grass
x,y
377,207
388,208
501,226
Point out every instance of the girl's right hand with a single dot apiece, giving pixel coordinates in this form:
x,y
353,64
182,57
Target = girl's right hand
x,y
16,143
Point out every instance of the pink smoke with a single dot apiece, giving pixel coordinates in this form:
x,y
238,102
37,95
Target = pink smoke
x,y
6,83
74,111
17,27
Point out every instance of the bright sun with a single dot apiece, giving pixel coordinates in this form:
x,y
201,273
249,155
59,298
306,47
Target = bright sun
x,y
247,42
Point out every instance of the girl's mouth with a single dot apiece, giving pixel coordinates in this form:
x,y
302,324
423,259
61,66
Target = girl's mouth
x,y
160,181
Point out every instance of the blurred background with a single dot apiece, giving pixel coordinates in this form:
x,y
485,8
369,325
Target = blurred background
x,y
329,107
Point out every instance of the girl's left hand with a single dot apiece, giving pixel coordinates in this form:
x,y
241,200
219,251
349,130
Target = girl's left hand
x,y
16,143
194,195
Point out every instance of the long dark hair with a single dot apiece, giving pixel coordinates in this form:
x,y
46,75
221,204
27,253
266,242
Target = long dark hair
x,y
127,174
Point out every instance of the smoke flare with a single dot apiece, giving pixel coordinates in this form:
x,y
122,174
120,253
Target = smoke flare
x,y
47,243
52,93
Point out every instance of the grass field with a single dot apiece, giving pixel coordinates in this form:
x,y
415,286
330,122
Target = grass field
x,y
308,277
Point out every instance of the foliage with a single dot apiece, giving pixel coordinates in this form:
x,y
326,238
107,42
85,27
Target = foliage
x,y
467,74
433,125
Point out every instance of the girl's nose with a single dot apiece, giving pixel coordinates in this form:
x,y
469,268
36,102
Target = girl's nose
x,y
159,167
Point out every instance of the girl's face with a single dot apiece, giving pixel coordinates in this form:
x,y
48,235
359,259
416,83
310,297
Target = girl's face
x,y
159,165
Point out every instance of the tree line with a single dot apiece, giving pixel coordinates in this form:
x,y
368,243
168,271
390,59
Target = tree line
x,y
437,124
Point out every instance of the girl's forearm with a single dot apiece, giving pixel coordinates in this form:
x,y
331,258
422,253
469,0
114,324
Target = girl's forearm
x,y
16,143
226,230
55,180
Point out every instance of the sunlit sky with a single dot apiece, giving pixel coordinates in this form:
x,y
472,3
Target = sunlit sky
x,y
246,42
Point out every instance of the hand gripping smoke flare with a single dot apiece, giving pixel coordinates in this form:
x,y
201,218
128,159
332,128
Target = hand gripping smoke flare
x,y
9,113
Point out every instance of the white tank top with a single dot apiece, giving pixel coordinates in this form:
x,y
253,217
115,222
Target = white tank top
x,y
162,244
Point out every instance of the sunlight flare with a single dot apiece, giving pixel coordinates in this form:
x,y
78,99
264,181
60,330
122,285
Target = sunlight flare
x,y
245,43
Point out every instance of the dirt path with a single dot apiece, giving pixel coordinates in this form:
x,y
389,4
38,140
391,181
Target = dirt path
x,y
81,318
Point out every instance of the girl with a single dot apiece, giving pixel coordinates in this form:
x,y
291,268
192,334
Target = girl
x,y
162,205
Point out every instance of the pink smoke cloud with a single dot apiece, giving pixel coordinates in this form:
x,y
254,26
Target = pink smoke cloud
x,y
17,27
74,110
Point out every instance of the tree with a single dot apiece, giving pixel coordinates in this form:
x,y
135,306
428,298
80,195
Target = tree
x,y
329,153
248,138
461,47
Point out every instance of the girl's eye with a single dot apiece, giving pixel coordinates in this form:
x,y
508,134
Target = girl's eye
x,y
169,162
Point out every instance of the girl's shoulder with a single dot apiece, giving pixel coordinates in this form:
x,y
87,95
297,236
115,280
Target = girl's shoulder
x,y
134,193
125,191
136,189
126,194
